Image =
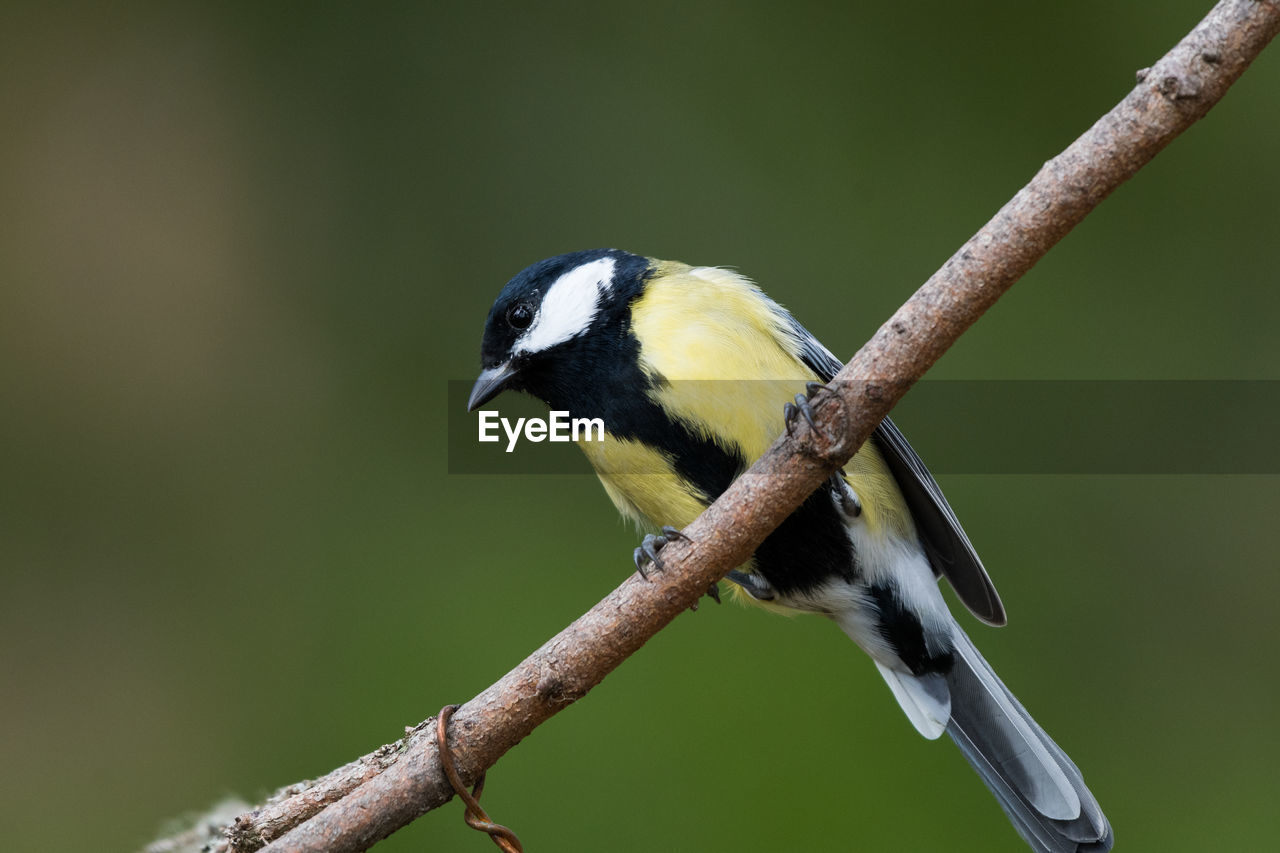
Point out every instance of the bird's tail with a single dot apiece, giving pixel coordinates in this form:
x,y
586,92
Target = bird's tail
x,y
1037,785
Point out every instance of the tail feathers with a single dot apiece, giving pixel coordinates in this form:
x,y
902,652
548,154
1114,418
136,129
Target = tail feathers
x,y
925,699
1037,785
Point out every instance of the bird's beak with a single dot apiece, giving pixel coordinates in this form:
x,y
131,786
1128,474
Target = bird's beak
x,y
488,385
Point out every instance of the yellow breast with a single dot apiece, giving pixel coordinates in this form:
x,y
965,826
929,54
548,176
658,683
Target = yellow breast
x,y
720,345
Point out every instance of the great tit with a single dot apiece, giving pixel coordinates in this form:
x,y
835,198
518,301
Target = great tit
x,y
688,367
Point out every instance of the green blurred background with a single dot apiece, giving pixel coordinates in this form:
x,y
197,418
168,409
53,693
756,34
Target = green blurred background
x,y
246,246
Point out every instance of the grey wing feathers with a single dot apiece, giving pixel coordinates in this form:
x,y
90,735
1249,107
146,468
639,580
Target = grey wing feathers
x,y
949,550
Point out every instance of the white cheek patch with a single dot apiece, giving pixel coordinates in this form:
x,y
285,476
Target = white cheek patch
x,y
569,307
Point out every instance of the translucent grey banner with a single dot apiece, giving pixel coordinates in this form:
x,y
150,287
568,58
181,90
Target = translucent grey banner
x,y
1089,427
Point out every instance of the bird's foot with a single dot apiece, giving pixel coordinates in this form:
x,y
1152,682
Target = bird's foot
x,y
802,406
847,499
651,545
755,585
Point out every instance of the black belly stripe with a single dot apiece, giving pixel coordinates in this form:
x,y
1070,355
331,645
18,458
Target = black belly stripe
x,y
809,549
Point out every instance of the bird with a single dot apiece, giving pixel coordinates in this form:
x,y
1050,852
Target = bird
x,y
691,369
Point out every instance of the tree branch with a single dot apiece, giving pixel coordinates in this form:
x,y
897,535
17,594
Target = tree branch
x,y
373,802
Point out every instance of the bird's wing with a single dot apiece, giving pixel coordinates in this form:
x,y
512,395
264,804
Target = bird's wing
x,y
948,548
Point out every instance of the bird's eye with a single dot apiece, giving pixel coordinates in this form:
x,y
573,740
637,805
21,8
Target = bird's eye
x,y
520,315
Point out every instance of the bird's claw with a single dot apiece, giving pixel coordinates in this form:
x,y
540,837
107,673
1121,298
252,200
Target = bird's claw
x,y
847,499
647,553
653,543
670,533
802,406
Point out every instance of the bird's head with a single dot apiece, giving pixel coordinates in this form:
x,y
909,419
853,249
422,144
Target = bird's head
x,y
553,319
